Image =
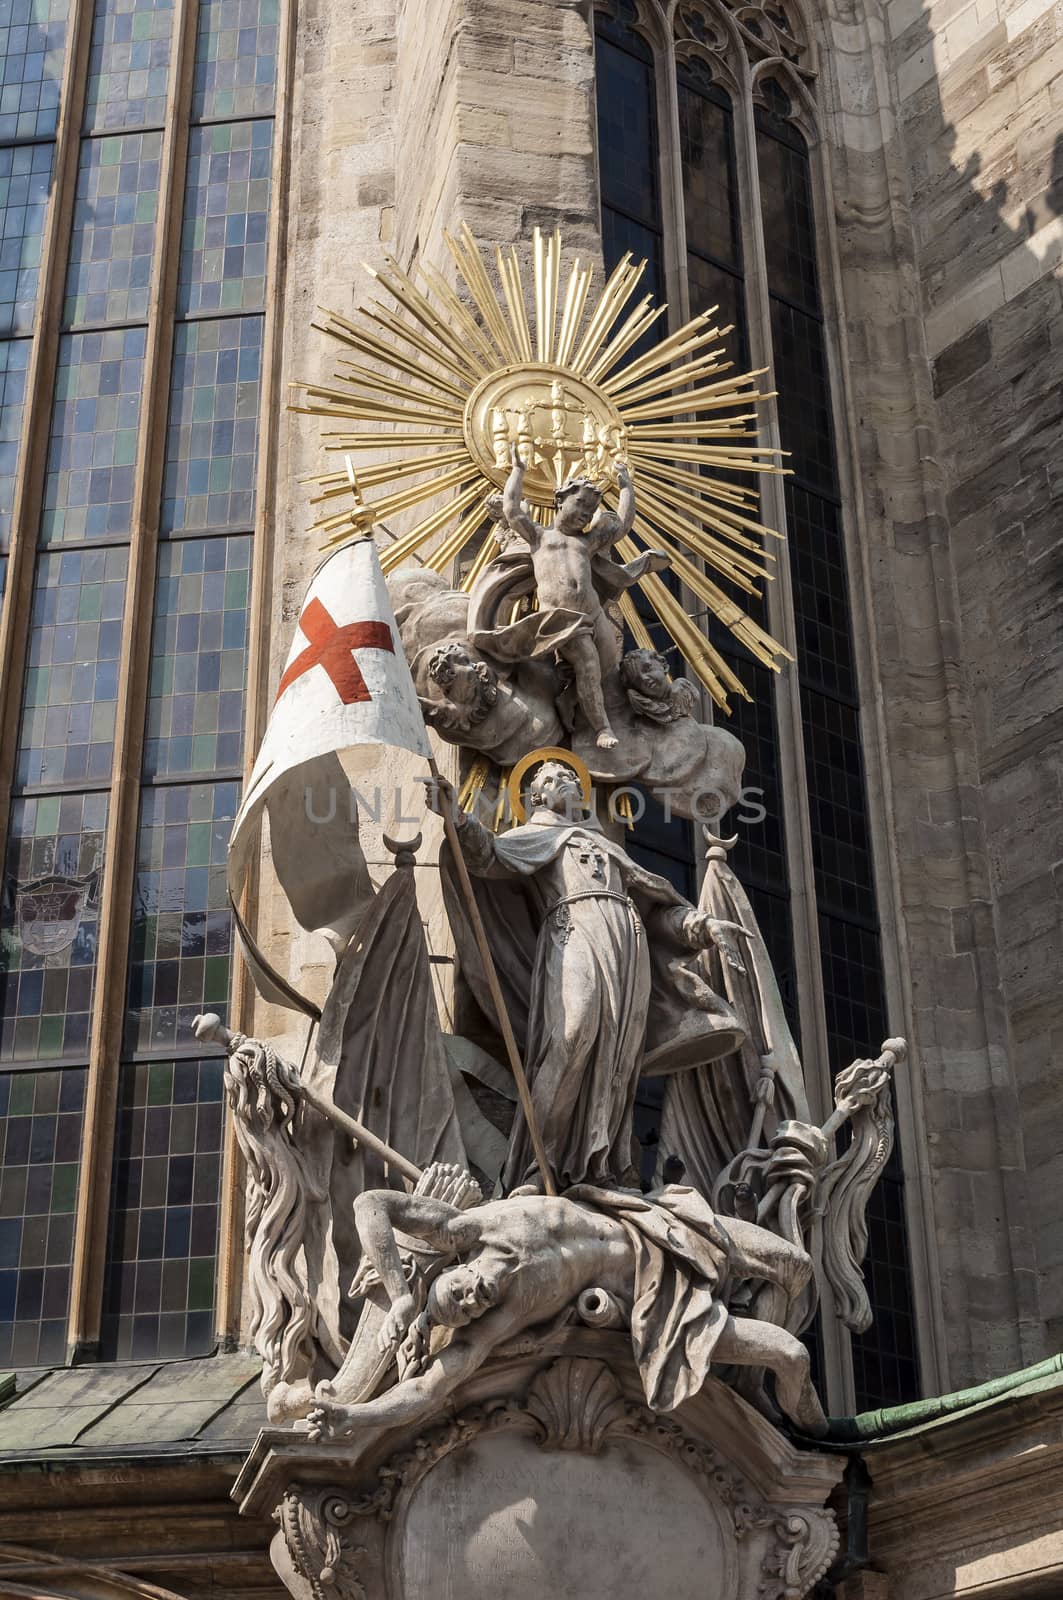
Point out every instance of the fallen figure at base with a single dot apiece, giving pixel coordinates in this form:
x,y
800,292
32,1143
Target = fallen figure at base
x,y
519,1263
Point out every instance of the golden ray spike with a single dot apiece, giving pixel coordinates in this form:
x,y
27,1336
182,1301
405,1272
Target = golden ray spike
x,y
512,289
659,516
731,391
678,476
401,388
447,552
661,485
579,283
639,322
729,614
369,343
386,441
685,404
693,335
484,556
736,566
391,471
351,396
634,623
406,499
722,428
472,788
618,290
379,313
405,291
703,508
738,458
479,337
364,408
547,254
542,333
412,541
469,263
703,660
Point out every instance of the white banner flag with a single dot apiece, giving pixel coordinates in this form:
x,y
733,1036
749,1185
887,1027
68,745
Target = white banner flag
x,y
346,683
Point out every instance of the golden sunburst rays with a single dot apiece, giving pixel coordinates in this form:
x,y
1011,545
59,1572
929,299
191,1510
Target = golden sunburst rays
x,y
433,388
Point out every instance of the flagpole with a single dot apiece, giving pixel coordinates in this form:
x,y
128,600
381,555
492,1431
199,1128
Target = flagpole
x,y
497,998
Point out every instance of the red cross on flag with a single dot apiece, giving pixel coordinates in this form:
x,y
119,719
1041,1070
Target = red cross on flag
x,y
346,683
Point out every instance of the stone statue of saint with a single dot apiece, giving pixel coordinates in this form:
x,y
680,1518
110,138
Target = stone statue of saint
x,y
661,1262
573,570
594,952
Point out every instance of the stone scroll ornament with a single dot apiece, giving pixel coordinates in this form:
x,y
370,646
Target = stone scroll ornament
x,y
421,1204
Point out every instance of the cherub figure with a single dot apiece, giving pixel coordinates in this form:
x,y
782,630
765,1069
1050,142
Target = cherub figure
x,y
573,572
652,692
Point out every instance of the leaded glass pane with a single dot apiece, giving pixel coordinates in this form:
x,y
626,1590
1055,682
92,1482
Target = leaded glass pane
x,y
40,1145
627,133
789,223
48,925
88,488
71,681
706,144
803,382
32,44
223,244
158,1296
14,359
182,929
209,479
837,806
128,64
712,286
25,179
885,1370
199,657
114,229
236,58
821,592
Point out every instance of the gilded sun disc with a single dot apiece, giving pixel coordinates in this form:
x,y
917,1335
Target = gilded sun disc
x,y
562,424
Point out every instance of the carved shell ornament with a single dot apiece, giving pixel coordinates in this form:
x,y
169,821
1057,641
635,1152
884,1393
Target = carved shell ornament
x,y
447,383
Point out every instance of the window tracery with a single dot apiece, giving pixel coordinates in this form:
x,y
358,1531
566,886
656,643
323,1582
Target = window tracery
x,y
730,93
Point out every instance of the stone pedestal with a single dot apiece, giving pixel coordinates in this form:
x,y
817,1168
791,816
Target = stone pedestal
x,y
548,1477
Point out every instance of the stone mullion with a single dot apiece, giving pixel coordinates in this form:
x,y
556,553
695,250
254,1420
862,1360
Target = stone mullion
x,y
792,780
119,870
910,1119
37,409
231,1220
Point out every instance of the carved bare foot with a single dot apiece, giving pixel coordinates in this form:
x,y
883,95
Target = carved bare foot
x,y
607,739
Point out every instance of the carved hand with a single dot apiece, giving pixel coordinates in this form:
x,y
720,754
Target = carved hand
x,y
726,936
440,793
396,1324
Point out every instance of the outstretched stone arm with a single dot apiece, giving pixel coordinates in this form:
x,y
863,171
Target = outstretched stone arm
x,y
609,526
513,502
381,1213
477,842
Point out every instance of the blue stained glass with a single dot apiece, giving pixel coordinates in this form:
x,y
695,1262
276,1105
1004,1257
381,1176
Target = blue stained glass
x,y
32,45
162,1242
128,64
14,359
198,657
211,441
114,229
25,180
182,928
236,58
71,682
88,489
40,1147
223,245
48,925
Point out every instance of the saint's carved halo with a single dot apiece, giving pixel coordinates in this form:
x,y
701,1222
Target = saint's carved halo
x,y
539,758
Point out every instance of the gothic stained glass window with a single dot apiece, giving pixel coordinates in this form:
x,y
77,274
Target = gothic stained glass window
x,y
223,246
14,356
723,184
88,486
48,925
199,658
25,179
158,1293
114,229
128,64
32,46
41,1117
211,441
236,58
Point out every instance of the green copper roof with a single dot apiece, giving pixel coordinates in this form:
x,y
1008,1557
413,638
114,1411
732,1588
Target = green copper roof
x,y
870,1426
